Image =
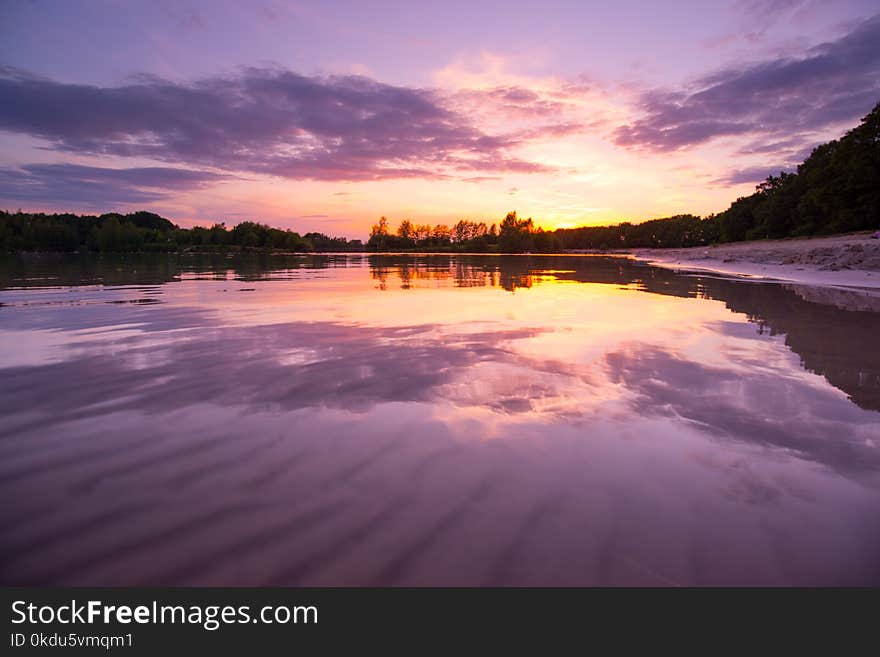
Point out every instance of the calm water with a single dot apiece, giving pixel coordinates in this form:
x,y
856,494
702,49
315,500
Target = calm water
x,y
432,420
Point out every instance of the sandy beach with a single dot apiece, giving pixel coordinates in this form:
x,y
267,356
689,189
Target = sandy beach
x,y
843,260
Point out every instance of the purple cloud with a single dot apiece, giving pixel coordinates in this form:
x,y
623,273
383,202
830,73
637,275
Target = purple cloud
x,y
98,187
835,82
545,111
266,121
511,101
767,8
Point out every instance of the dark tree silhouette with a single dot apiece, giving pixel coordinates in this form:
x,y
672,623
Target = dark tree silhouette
x,y
148,232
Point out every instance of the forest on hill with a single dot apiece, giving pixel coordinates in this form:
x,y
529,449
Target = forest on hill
x,y
835,190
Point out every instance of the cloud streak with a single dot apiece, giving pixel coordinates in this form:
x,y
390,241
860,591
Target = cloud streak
x,y
835,82
265,121
718,400
98,186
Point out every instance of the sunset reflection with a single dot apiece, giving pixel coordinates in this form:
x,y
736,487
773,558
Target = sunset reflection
x,y
191,410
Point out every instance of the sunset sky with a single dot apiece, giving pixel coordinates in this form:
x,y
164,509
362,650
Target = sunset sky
x,y
324,115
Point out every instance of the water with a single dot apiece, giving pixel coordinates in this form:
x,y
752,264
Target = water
x,y
406,420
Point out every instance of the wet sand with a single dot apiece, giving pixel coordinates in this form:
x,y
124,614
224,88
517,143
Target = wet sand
x,y
843,260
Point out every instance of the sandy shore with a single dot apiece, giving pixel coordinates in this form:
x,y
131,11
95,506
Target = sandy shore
x,y
841,261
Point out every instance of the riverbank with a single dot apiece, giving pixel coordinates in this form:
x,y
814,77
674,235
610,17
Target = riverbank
x,y
842,260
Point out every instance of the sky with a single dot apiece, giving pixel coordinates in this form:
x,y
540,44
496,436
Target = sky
x,y
322,116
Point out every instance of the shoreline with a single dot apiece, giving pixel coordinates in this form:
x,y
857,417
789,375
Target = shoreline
x,y
842,261
850,261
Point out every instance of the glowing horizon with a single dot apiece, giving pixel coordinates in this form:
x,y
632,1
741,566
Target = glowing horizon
x,y
320,117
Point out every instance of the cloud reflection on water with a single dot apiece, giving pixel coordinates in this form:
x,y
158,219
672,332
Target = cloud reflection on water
x,y
207,439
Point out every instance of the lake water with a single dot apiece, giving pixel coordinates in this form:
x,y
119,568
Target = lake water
x,y
455,420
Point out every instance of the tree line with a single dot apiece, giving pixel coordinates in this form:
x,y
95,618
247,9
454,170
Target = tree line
x,y
148,232
512,235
